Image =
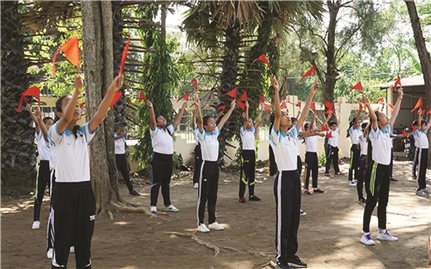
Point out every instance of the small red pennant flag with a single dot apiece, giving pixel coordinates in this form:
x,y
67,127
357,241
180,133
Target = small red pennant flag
x,y
391,106
418,104
423,111
262,99
221,107
429,112
414,128
328,105
267,108
310,71
262,58
232,93
358,86
313,106
70,48
298,104
142,96
381,100
329,111
32,91
360,107
329,135
397,83
241,105
324,128
283,105
405,133
82,105
195,84
117,97
124,57
185,97
243,96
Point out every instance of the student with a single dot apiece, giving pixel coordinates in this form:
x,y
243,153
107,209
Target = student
x,y
248,168
287,185
162,163
377,177
197,153
121,159
209,170
311,158
271,160
414,147
332,147
73,203
421,135
43,149
353,133
363,145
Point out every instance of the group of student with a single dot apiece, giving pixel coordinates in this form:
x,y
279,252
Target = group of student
x,y
65,163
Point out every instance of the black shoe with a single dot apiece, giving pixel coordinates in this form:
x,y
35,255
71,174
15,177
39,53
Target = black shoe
x,y
283,266
414,177
253,198
134,193
296,262
362,200
393,179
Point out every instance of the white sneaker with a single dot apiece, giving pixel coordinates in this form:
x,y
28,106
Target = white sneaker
x,y
426,191
366,239
50,253
386,236
171,208
72,249
352,183
215,226
196,186
203,228
421,193
153,209
36,225
302,212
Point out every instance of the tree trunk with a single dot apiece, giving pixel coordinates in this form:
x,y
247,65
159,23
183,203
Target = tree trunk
x,y
423,53
18,158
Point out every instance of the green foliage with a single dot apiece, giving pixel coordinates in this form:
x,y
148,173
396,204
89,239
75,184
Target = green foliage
x,y
322,158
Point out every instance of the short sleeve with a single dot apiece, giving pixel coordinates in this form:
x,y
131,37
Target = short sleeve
x,y
88,134
39,135
199,134
374,133
274,137
54,135
294,131
171,129
241,130
154,132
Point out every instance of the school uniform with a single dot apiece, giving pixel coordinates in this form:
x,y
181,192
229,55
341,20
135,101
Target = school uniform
x,y
121,160
248,161
198,157
377,177
332,150
287,192
42,180
73,202
363,144
311,161
50,223
416,151
354,134
162,163
423,145
208,176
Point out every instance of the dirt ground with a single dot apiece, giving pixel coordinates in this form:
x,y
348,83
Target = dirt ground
x,y
328,237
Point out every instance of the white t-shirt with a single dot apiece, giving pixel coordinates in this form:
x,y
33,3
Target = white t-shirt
x,y
195,134
120,145
72,163
333,137
363,144
311,143
422,139
285,148
43,147
381,142
247,138
162,141
209,144
354,135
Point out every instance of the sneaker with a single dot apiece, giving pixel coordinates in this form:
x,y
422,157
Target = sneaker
x,y
302,212
203,228
215,226
413,177
242,199
362,200
282,266
327,174
134,193
366,239
296,262
72,249
339,174
196,186
426,191
50,253
307,192
352,183
384,235
254,198
393,179
35,225
318,190
153,209
421,193
171,208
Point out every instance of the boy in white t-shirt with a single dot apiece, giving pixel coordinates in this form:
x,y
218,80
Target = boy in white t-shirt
x,y
421,136
332,146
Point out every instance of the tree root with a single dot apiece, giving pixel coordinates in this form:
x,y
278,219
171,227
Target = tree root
x,y
134,209
198,240
270,264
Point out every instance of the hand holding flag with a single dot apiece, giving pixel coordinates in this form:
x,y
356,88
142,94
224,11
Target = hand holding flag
x,y
418,104
70,48
32,91
310,71
124,57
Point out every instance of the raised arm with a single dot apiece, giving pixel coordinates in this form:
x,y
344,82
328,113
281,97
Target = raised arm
x,y
199,119
420,117
42,124
33,117
103,108
153,123
313,121
67,116
194,125
219,115
179,115
397,106
372,113
258,121
227,115
304,113
277,110
246,116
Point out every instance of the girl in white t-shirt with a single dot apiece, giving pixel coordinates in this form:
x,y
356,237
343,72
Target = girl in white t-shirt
x,y
332,146
363,145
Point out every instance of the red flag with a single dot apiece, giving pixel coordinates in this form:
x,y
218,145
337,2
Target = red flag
x,y
298,104
328,105
405,133
262,99
241,105
418,104
391,106
313,106
70,48
221,107
185,97
232,93
267,108
195,84
142,96
262,58
329,111
360,107
423,111
397,82
124,57
310,71
414,128
329,135
429,112
116,98
324,128
283,105
82,105
381,100
32,91
243,96
358,86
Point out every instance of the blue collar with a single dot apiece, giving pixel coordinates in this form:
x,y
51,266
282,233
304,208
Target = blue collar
x,y
67,132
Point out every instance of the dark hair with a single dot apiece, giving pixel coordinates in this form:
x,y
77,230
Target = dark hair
x,y
58,105
206,119
331,123
377,114
46,119
307,125
292,119
364,125
271,120
350,126
415,123
423,122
